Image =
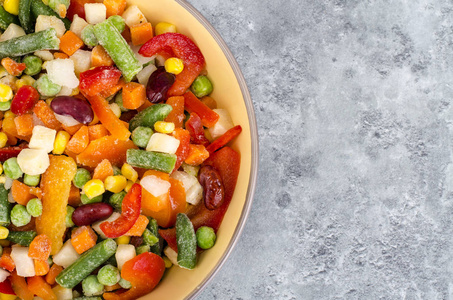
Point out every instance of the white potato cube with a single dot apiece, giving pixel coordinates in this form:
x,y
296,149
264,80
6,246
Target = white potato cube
x,y
124,252
141,59
65,91
155,185
186,179
96,226
145,73
67,120
3,275
11,198
95,12
62,72
45,22
223,124
82,61
25,266
62,293
42,138
8,185
160,142
171,255
77,25
66,256
189,169
33,161
194,194
44,55
133,16
11,32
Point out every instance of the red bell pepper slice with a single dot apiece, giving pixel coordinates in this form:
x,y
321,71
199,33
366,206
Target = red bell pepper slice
x,y
183,149
195,128
224,139
130,211
227,162
207,115
8,152
183,48
5,287
143,272
24,100
94,81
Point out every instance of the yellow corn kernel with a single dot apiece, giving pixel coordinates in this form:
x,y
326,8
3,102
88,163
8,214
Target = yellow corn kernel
x,y
174,65
128,186
5,243
115,184
164,27
1,168
25,80
3,232
2,179
164,127
167,262
7,297
3,72
11,6
129,172
116,109
49,101
123,240
95,119
6,93
8,114
3,139
61,140
75,91
93,188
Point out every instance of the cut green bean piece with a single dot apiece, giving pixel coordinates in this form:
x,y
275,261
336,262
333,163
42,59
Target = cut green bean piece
x,y
25,17
33,65
23,238
149,238
88,36
6,18
163,162
5,207
46,87
118,22
149,116
91,286
142,249
19,46
116,46
186,241
20,216
39,8
87,263
154,229
141,135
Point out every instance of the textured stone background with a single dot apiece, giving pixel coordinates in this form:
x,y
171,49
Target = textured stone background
x,y
353,100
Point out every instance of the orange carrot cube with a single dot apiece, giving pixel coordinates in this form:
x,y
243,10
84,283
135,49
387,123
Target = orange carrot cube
x,y
83,238
134,95
24,124
103,170
40,247
70,43
79,141
141,33
139,226
197,155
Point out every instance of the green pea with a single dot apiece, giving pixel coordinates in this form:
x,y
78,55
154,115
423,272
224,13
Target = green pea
x,y
4,106
34,207
201,86
109,275
205,237
32,180
33,65
68,219
124,284
149,238
116,171
141,135
85,200
46,87
116,200
88,36
118,22
81,177
91,286
20,216
12,169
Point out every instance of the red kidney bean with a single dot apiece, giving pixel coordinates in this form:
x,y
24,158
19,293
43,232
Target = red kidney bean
x,y
137,241
158,85
213,190
90,213
74,107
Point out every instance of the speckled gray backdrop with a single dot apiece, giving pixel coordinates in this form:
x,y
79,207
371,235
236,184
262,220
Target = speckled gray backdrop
x,y
354,107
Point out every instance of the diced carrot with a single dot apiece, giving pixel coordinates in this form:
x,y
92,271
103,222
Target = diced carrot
x,y
97,131
79,141
177,114
197,155
6,261
194,105
141,33
20,287
41,267
71,129
70,43
40,247
113,90
100,57
74,196
144,106
24,124
12,67
23,193
109,288
115,7
107,147
103,170
209,102
134,95
46,115
83,238
53,273
38,286
60,55
224,139
9,126
139,226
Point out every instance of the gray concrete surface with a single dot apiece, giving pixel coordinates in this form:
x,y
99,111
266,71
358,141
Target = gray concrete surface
x,y
354,107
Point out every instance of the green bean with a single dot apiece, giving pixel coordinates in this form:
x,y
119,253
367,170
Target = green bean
x,y
5,207
116,171
205,237
23,238
6,18
91,286
154,229
33,65
163,162
186,241
109,275
55,5
118,22
34,207
46,87
118,49
39,8
88,36
141,135
19,46
201,86
149,116
81,177
25,17
149,238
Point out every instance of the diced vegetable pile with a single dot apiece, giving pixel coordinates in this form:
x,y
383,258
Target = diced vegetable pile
x,y
115,162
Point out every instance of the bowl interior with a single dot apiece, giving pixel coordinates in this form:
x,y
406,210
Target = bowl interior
x,y
230,93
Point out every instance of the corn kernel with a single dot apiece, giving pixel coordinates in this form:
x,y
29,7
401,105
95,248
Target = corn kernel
x,y
6,93
61,140
164,127
7,297
5,243
49,101
3,232
25,80
116,109
95,119
115,184
167,262
128,186
174,65
3,139
164,27
11,6
1,168
75,91
93,188
3,72
123,240
129,172
2,179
